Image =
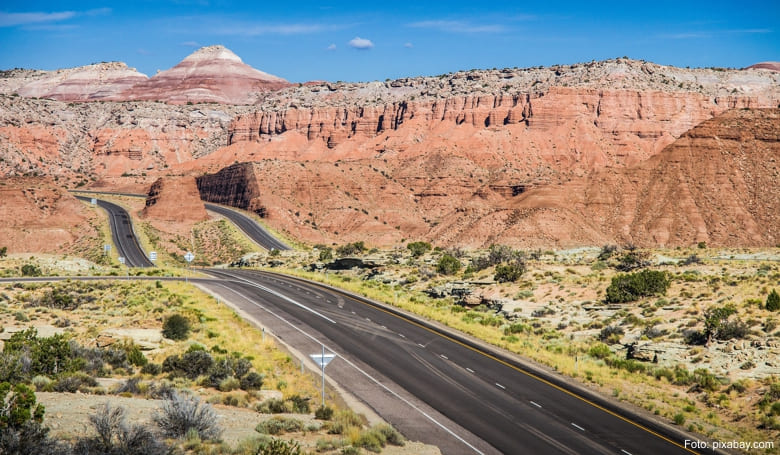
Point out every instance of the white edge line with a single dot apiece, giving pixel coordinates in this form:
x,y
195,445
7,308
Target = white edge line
x,y
536,404
364,373
500,386
625,451
282,296
469,370
577,426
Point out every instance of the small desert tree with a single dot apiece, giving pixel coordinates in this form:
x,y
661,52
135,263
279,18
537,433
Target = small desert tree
x,y
448,265
773,301
418,248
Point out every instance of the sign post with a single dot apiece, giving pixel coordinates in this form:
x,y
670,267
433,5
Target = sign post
x,y
153,256
122,261
188,257
322,360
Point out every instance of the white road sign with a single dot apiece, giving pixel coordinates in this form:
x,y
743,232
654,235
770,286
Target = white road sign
x,y
121,259
322,360
189,256
153,256
93,201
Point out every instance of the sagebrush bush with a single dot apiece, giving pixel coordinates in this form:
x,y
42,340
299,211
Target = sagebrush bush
x,y
279,425
773,301
251,381
176,327
180,414
323,413
116,437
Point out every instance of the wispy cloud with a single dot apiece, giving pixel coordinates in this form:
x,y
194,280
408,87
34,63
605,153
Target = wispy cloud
x,y
36,19
408,45
190,44
14,19
360,43
458,26
331,47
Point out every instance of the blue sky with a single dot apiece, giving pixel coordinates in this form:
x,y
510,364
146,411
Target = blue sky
x,y
378,40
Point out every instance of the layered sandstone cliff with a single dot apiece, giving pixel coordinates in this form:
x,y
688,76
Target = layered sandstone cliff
x,y
710,185
100,81
174,200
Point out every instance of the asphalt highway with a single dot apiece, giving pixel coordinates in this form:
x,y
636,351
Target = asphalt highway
x,y
249,226
122,234
515,411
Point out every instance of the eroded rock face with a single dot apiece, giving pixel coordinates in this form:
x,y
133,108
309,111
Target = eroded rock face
x,y
101,81
774,66
212,74
38,216
174,200
710,185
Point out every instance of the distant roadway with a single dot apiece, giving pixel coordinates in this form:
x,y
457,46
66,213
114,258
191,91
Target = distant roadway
x,y
250,227
122,233
254,230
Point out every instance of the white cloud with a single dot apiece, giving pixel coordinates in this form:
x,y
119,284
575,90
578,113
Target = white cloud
x,y
13,19
408,45
360,43
458,26
332,47
190,44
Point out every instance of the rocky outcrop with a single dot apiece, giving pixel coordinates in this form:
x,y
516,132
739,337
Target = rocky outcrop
x,y
40,217
212,74
101,81
174,200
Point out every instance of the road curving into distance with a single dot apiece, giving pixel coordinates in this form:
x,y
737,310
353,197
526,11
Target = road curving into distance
x,y
435,385
251,228
248,226
489,394
122,233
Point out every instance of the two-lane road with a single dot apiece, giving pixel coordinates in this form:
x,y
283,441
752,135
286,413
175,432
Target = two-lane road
x,y
122,234
494,398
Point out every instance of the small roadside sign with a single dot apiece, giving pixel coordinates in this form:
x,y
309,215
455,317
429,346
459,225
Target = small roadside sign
x,y
121,259
322,360
106,247
93,201
153,256
189,257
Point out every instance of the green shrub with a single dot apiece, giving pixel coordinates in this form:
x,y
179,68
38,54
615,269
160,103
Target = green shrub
x,y
391,435
633,286
679,418
176,327
279,447
151,368
134,355
31,270
351,249
448,265
600,351
323,413
252,381
326,253
279,425
21,418
418,248
48,356
773,301
181,414
611,334
510,272
229,384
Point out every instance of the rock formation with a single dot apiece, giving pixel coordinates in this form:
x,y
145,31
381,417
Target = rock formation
x,y
709,185
40,217
101,81
174,200
774,66
461,158
211,74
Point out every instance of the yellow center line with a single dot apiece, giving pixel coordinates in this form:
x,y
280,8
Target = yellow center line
x,y
503,362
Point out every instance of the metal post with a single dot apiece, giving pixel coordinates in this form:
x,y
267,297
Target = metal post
x,y
323,375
